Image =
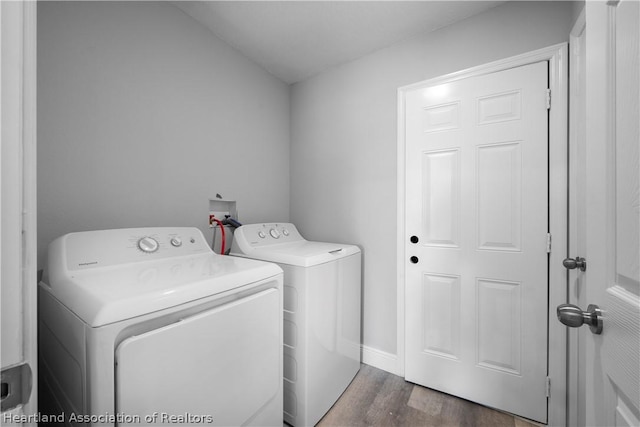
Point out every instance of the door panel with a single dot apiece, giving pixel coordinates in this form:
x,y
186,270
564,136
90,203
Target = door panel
x,y
499,186
477,200
498,305
612,186
442,315
441,183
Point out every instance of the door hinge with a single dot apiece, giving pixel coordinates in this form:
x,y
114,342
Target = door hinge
x,y
548,385
548,243
548,99
16,386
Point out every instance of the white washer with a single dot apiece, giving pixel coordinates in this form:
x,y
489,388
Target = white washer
x,y
149,326
322,293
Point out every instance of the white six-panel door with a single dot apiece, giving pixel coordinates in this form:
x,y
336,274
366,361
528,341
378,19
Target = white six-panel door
x,y
477,218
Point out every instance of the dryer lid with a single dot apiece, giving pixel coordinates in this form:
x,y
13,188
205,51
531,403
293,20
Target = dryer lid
x,y
102,292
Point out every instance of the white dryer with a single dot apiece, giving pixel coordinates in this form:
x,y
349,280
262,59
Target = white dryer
x,y
149,326
322,294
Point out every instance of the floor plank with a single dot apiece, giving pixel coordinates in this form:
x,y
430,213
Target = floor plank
x,y
378,398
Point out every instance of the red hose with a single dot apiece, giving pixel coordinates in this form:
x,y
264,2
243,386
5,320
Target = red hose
x,y
224,239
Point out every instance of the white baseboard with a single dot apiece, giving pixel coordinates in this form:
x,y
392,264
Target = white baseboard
x,y
381,360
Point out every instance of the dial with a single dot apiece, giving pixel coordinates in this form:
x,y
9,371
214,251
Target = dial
x,y
148,244
176,242
285,231
261,234
274,233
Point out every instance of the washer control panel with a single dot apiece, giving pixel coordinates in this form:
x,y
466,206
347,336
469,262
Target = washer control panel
x,y
256,235
92,249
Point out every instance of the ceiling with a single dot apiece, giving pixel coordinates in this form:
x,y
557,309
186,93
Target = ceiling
x,y
295,40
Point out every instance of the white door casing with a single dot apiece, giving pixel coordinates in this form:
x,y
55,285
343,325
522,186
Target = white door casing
x,y
18,209
477,205
577,211
437,283
612,278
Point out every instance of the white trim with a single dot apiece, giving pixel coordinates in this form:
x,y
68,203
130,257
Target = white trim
x,y
380,359
400,245
573,393
29,196
18,123
558,163
557,56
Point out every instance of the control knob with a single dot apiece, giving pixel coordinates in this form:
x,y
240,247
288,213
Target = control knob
x,y
274,233
148,244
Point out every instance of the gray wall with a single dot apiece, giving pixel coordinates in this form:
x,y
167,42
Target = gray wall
x,y
143,115
343,138
577,7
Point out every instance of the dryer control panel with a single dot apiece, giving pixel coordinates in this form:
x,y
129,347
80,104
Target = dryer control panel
x,y
103,248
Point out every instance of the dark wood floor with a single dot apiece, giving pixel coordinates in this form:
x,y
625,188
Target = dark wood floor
x,y
378,398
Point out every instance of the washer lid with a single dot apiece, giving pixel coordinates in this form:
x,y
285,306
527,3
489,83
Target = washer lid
x,y
301,253
106,292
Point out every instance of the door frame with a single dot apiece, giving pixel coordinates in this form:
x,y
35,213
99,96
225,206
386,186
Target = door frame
x,y
18,66
558,58
574,361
